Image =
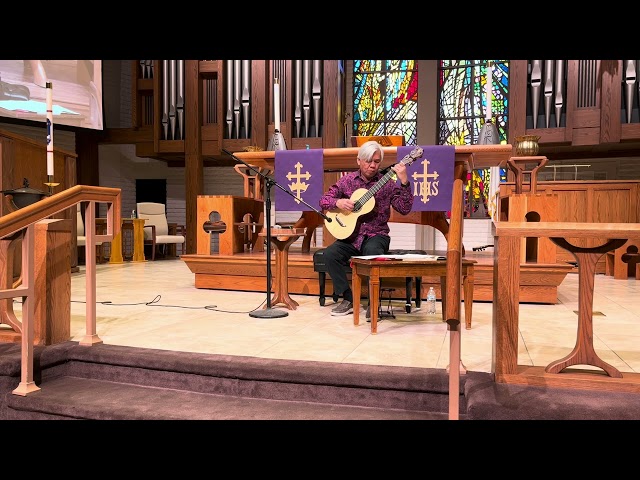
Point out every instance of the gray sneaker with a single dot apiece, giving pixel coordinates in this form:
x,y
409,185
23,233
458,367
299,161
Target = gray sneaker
x,y
343,308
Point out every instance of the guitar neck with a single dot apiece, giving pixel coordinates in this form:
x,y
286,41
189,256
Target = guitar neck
x,y
373,190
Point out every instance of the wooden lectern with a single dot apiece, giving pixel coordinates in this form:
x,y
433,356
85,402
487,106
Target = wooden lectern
x,y
530,206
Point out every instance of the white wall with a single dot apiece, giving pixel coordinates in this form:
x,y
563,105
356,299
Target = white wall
x,y
476,232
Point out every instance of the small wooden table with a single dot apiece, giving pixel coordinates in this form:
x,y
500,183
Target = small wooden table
x,y
376,269
137,224
282,238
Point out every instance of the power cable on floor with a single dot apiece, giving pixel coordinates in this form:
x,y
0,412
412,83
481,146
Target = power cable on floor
x,y
154,303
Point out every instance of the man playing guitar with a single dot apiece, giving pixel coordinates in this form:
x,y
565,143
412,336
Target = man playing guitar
x,y
359,218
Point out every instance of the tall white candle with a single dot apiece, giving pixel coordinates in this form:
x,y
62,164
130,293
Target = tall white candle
x,y
276,104
49,129
488,90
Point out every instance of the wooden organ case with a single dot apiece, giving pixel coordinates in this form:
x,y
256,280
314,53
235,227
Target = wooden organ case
x,y
575,103
189,111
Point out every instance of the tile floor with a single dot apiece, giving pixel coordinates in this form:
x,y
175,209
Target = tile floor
x,y
155,305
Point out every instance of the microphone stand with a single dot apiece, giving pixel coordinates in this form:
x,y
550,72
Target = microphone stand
x,y
270,312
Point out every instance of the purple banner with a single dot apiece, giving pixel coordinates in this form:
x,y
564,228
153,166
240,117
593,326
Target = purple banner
x,y
431,177
300,172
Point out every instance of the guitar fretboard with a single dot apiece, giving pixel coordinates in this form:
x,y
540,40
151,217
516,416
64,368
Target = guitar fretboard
x,y
373,190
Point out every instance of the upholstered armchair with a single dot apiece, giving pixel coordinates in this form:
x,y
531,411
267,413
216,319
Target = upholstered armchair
x,y
157,231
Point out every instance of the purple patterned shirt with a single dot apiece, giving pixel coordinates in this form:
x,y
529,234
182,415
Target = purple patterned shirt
x,y
392,194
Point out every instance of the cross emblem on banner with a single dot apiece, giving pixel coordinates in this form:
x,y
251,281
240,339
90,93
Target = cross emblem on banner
x,y
422,186
298,187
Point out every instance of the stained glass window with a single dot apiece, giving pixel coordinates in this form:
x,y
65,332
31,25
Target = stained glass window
x,y
385,102
385,98
463,100
480,203
463,111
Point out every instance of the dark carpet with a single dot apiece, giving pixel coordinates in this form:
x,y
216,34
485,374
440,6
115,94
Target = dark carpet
x,y
108,382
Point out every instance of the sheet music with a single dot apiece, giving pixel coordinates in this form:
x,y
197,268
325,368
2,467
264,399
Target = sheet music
x,y
407,257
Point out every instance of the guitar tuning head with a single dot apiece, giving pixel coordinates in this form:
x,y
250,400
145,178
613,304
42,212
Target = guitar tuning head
x,y
415,153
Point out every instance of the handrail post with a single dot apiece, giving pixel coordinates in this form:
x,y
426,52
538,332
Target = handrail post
x,y
91,336
27,384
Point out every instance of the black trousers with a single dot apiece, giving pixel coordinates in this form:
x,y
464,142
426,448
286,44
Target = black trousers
x,y
339,253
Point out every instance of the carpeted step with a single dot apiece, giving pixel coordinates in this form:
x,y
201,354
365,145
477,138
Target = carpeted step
x,y
81,398
115,382
406,391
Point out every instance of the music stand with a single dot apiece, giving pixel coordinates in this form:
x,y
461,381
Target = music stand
x,y
270,312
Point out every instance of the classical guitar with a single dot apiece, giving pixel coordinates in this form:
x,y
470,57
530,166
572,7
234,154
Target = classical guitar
x,y
343,222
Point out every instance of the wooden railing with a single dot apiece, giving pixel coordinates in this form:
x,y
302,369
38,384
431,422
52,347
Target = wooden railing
x,y
23,222
506,305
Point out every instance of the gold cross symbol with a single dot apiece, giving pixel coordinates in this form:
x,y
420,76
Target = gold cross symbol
x,y
425,188
298,187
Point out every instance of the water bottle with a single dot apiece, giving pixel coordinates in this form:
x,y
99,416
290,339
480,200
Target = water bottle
x,y
431,301
133,214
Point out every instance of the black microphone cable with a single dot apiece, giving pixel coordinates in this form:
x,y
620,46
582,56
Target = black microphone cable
x,y
154,303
